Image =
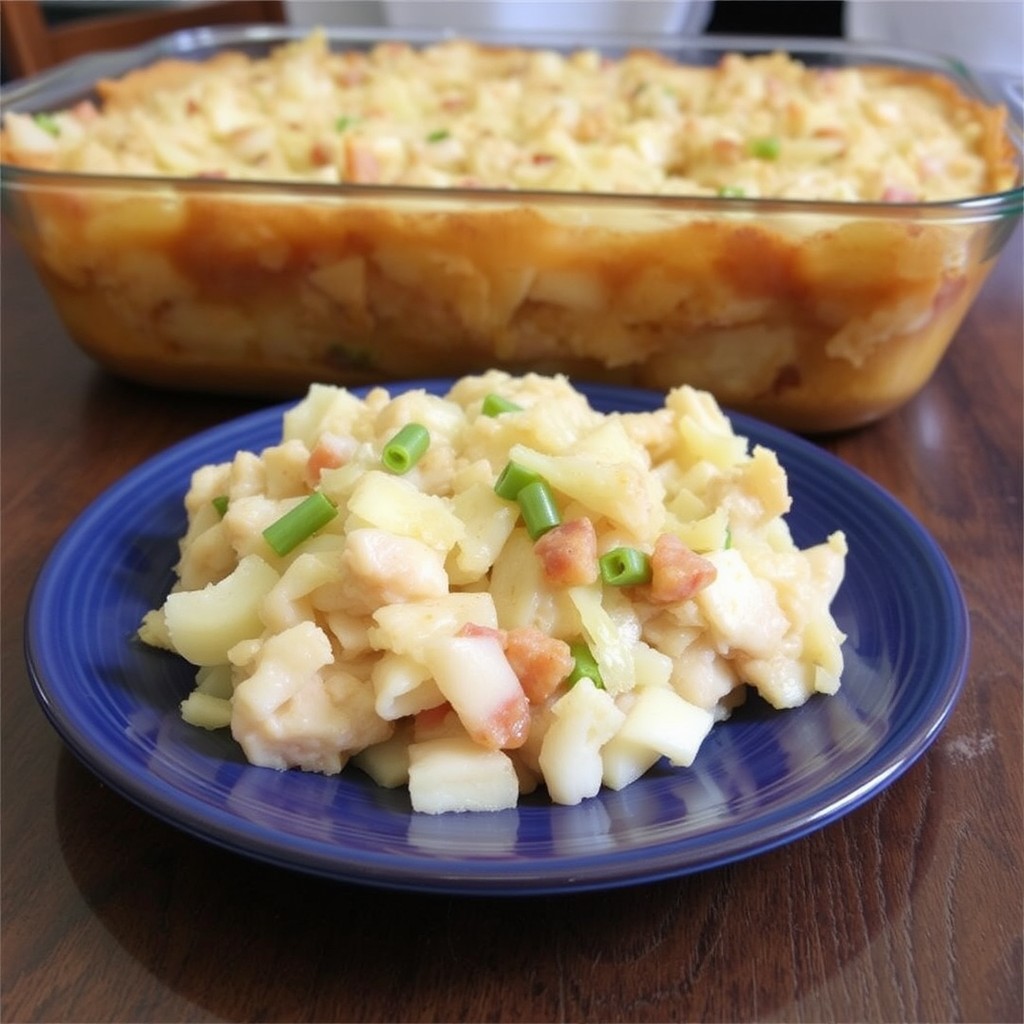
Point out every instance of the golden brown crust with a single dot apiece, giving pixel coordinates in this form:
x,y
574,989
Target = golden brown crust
x,y
133,87
459,114
994,144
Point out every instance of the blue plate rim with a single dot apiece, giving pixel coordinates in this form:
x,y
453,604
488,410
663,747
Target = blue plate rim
x,y
466,875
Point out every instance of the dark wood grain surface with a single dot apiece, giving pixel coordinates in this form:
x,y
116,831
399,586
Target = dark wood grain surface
x,y
907,909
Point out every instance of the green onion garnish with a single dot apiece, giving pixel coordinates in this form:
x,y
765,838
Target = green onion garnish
x,y
731,192
495,405
300,523
728,539
48,123
766,148
584,666
220,503
406,448
343,122
438,135
537,504
512,479
625,567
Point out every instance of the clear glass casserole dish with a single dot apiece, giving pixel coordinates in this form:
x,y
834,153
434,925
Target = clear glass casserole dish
x,y
814,314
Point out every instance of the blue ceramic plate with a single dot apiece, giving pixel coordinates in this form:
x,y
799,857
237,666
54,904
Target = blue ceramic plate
x,y
762,779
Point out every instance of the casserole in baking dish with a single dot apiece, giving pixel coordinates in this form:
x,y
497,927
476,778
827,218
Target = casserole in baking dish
x,y
800,232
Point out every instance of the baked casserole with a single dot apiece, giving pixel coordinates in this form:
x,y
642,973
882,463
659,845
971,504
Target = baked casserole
x,y
802,239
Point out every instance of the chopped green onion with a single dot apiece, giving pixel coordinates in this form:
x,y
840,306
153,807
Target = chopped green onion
x,y
494,405
767,148
731,192
728,539
533,495
406,448
625,567
512,479
584,666
48,123
343,122
220,503
438,135
300,523
537,503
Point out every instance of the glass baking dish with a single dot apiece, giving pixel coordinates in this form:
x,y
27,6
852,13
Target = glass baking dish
x,y
814,315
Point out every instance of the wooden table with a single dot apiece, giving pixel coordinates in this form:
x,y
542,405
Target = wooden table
x,y
908,909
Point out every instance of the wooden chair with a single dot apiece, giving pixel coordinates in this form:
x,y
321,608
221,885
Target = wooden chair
x,y
30,44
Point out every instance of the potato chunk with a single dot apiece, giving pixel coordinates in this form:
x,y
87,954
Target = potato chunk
x,y
456,774
203,625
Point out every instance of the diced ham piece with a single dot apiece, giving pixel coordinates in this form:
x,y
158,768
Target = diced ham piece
x,y
351,76
568,554
726,149
85,111
677,573
539,661
329,452
361,165
898,194
508,726
320,154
